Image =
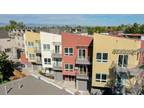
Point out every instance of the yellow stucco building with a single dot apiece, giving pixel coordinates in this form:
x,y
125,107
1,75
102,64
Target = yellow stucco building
x,y
110,50
32,47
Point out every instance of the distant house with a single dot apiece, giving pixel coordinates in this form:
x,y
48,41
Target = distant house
x,y
8,45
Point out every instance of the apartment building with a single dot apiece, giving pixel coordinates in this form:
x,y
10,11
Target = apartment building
x,y
51,54
32,47
76,59
108,52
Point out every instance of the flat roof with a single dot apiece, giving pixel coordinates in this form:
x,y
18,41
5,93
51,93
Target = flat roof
x,y
30,86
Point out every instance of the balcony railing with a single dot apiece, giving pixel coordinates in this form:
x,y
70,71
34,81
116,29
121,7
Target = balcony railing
x,y
83,60
38,50
57,66
82,76
56,54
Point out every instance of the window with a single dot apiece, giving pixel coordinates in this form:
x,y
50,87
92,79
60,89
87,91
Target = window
x,y
82,70
32,56
105,57
102,57
7,50
101,77
82,53
71,67
57,49
46,47
68,67
30,44
71,51
68,51
47,61
123,60
98,57
98,77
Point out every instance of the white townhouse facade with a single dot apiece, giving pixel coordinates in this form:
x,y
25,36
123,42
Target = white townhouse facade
x,y
51,52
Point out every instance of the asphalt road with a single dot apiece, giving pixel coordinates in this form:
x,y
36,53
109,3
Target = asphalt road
x,y
30,86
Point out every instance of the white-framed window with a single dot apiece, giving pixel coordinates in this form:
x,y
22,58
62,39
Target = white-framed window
x,y
68,51
47,61
68,67
30,44
32,56
123,60
102,57
46,47
81,53
101,77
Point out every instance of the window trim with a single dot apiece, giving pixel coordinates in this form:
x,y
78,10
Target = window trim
x,y
101,80
46,49
68,54
30,57
122,65
102,60
82,52
47,63
68,67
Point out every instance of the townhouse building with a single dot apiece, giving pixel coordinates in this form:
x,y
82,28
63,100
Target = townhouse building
x,y
109,52
51,54
32,47
76,59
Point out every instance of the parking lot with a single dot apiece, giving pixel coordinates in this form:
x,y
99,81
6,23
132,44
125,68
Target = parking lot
x,y
30,86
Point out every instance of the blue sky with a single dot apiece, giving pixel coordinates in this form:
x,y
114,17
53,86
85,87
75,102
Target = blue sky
x,y
74,19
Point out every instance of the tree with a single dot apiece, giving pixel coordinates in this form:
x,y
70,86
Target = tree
x,y
14,25
6,67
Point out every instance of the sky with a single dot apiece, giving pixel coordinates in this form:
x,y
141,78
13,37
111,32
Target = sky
x,y
74,19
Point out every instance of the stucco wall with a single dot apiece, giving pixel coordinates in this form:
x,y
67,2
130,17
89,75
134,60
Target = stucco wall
x,y
48,38
106,44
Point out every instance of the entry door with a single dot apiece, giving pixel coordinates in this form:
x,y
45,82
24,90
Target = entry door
x,y
123,60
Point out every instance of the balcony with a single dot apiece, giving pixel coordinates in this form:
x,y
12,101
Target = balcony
x,y
56,54
82,76
83,60
37,50
38,60
121,69
57,66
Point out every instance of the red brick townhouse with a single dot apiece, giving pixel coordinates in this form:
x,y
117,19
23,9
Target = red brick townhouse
x,y
77,59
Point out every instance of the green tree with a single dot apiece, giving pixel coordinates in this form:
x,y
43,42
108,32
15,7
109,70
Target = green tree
x,y
6,67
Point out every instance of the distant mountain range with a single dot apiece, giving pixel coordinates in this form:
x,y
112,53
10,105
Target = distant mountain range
x,y
2,24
